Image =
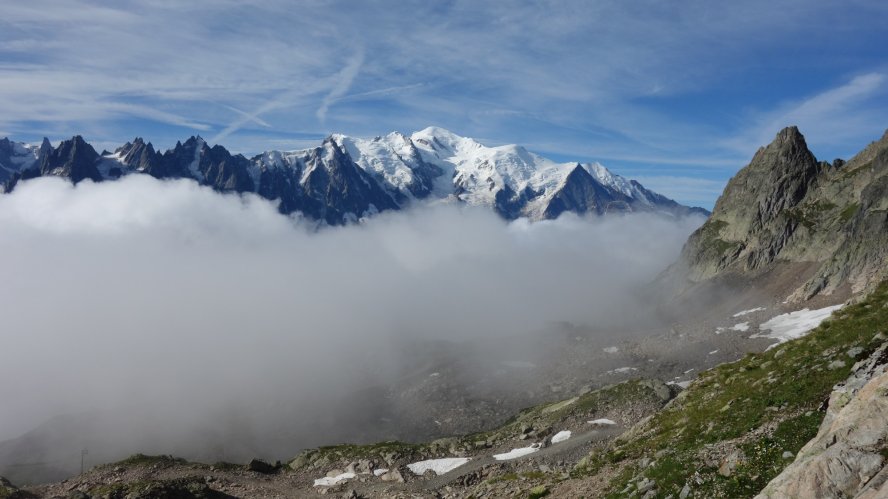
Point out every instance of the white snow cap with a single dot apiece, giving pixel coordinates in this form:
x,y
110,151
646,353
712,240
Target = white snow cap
x,y
751,310
603,422
439,466
329,481
561,436
516,453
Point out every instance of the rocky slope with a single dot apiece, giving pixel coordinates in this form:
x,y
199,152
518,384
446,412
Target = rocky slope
x,y
345,178
786,208
847,457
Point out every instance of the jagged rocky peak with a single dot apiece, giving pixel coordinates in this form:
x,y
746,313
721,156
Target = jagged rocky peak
x,y
785,208
73,158
137,154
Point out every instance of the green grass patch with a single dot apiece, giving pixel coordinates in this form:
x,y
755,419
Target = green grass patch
x,y
537,492
728,402
848,212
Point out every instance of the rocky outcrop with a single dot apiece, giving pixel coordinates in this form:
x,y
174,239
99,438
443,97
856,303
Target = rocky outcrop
x,y
74,159
787,207
848,456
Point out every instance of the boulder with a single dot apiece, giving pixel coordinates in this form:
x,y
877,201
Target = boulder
x,y
847,457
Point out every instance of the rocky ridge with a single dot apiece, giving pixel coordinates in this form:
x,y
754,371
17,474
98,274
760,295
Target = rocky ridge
x,y
345,179
785,208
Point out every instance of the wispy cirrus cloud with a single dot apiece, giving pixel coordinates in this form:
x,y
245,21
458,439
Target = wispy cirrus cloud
x,y
833,116
647,79
343,82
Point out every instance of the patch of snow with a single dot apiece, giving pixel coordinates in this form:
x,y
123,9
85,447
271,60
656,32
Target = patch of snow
x,y
713,352
380,471
439,466
392,157
743,326
194,166
433,375
611,349
516,453
785,327
744,312
561,436
719,330
603,422
329,481
689,370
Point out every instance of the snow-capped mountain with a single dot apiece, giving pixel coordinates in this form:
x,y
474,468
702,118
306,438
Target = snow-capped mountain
x,y
347,178
16,157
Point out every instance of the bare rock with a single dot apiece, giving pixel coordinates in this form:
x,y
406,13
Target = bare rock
x,y
260,466
845,458
392,476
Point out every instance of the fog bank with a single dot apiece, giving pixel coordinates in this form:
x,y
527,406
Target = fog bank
x,y
206,307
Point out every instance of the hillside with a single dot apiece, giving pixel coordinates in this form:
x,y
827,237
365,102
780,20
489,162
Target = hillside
x,y
786,209
734,429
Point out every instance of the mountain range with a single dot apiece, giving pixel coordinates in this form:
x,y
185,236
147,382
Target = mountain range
x,y
345,178
804,417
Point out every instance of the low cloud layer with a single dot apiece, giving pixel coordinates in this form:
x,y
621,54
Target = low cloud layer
x,y
142,293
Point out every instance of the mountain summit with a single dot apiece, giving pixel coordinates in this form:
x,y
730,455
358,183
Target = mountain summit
x,y
824,223
346,178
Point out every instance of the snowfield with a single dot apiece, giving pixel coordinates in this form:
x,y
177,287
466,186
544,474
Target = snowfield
x,y
561,436
439,466
744,312
329,481
603,422
516,453
793,325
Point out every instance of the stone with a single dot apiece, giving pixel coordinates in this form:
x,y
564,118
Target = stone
x,y
260,466
836,364
645,485
843,458
730,462
393,475
854,352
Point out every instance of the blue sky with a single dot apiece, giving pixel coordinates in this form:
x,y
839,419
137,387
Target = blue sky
x,y
678,94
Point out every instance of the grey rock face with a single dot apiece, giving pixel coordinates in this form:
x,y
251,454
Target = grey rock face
x,y
785,206
846,458
74,159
